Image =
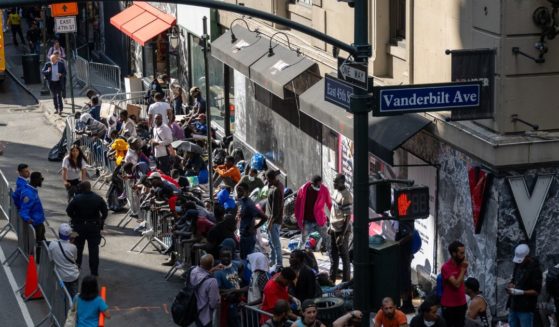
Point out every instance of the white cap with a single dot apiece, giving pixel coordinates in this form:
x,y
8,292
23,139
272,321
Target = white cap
x,y
85,117
64,230
154,175
520,253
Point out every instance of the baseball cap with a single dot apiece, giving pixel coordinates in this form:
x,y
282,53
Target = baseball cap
x,y
202,116
520,253
154,175
65,230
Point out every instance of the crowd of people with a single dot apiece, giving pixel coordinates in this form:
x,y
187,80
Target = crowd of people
x,y
161,161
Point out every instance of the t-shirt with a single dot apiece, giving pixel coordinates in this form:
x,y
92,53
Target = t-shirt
x,y
14,19
73,173
248,212
310,201
88,311
273,292
341,203
159,108
452,296
229,278
67,270
396,321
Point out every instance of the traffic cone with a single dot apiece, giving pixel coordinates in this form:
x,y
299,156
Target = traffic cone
x,y
102,315
31,290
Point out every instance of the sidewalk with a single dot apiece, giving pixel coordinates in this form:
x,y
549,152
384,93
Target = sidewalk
x,y
44,99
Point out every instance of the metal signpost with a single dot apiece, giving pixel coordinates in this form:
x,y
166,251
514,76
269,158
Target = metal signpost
x,y
65,22
403,99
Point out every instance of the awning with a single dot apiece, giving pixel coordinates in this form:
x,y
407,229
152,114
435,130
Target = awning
x,y
248,54
386,134
284,70
142,22
242,53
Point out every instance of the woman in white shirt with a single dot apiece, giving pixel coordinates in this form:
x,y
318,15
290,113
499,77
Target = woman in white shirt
x,y
73,170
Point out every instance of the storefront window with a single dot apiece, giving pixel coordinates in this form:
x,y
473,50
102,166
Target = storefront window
x,y
215,68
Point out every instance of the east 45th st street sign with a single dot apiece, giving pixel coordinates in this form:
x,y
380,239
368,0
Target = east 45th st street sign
x,y
397,100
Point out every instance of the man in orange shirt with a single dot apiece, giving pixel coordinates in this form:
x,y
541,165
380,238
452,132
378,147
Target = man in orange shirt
x,y
228,173
389,316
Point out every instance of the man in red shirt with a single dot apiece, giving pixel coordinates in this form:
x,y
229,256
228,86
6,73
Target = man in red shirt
x,y
389,316
276,289
453,299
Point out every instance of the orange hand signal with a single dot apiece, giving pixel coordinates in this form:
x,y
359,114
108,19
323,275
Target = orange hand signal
x,y
403,204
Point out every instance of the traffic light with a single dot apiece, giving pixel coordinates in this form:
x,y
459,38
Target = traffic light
x,y
380,197
411,203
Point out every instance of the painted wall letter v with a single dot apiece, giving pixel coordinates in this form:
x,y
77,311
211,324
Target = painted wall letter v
x,y
530,205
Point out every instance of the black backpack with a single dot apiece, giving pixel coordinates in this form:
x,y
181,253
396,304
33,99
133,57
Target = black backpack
x,y
185,307
552,281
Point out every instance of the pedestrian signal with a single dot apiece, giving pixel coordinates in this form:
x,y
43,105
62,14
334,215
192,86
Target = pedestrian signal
x,y
411,203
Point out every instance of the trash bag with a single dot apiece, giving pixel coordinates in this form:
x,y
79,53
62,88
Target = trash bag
x,y
58,151
258,162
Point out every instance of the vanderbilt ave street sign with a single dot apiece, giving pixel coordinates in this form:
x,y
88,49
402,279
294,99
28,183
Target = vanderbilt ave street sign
x,y
397,100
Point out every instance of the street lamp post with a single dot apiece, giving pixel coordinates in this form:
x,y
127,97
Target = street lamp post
x,y
204,40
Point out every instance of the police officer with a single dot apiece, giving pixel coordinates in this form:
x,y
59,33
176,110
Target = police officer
x,y
31,208
88,211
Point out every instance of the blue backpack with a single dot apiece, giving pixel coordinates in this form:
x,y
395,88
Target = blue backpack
x,y
257,161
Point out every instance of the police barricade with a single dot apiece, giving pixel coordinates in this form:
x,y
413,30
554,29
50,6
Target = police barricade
x,y
23,237
133,200
8,211
5,192
134,102
251,314
104,76
158,227
52,287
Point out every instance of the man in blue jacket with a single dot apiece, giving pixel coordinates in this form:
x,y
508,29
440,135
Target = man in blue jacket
x,y
54,72
21,182
31,210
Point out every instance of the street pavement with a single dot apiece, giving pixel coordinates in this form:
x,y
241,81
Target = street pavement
x,y
137,294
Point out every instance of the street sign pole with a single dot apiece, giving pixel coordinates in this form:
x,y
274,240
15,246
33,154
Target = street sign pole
x,y
205,39
69,63
360,108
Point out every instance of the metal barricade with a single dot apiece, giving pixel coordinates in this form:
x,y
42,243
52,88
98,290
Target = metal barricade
x,y
133,200
250,316
54,292
5,192
158,228
104,76
6,206
81,69
121,100
23,238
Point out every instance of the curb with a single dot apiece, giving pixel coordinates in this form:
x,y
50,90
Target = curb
x,y
22,84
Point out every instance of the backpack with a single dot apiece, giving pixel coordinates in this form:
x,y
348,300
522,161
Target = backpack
x,y
552,281
184,309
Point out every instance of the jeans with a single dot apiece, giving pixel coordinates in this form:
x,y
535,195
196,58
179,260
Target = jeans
x,y
275,244
521,319
16,30
247,245
311,227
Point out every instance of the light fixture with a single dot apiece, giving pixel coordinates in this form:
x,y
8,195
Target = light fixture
x,y
271,49
233,37
548,21
174,37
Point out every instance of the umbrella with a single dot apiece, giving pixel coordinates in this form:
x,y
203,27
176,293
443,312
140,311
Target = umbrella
x,y
187,146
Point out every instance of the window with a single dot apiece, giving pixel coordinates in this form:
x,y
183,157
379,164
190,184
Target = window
x,y
305,2
397,21
215,70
